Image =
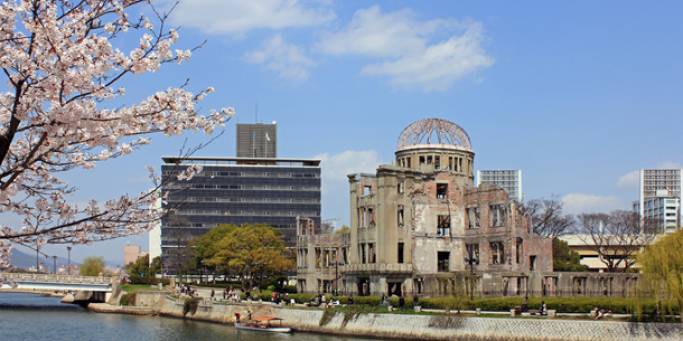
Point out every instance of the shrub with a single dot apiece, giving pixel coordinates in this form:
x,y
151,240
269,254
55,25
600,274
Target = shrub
x,y
127,299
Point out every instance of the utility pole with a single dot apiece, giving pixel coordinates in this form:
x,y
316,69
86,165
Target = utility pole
x,y
68,259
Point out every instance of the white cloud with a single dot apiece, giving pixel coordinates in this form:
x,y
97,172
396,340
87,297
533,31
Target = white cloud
x,y
335,187
336,167
575,203
409,55
237,17
288,60
629,180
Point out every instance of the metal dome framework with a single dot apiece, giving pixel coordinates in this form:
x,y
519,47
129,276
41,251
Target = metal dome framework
x,y
434,131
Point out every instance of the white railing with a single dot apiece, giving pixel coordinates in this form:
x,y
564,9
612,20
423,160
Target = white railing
x,y
53,278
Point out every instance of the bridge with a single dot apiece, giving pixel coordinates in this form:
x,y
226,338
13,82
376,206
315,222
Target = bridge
x,y
53,282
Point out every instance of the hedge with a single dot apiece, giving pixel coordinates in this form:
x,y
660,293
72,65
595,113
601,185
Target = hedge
x,y
618,305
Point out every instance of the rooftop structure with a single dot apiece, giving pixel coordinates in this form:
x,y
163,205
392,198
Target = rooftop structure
x,y
257,140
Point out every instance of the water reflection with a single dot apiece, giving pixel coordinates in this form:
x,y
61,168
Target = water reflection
x,y
32,317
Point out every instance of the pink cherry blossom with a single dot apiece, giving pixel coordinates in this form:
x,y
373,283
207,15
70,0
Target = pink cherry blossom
x,y
62,67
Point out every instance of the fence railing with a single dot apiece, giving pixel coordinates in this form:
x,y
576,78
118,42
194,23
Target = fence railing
x,y
53,278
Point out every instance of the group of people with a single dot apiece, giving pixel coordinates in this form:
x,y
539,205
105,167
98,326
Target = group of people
x,y
185,290
232,295
277,297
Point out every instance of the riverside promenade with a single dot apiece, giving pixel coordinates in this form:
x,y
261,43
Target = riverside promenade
x,y
404,326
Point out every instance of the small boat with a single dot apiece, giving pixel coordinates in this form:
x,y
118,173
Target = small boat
x,y
263,324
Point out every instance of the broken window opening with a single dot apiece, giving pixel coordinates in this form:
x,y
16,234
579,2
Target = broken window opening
x,y
399,216
367,190
472,254
497,253
400,187
519,248
498,215
443,227
429,159
422,160
437,162
442,262
473,218
400,252
441,191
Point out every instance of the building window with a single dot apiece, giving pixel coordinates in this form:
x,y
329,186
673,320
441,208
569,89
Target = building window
x,y
450,163
473,218
498,215
429,159
399,216
372,258
443,227
441,191
367,190
532,263
409,162
422,160
437,162
472,254
371,216
400,252
442,263
400,188
497,253
361,248
519,247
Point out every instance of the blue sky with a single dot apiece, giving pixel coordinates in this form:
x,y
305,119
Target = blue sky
x,y
576,94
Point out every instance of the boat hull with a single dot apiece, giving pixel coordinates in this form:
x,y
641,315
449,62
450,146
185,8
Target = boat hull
x,y
241,326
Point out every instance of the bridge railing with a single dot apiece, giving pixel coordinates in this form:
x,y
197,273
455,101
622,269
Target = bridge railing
x,y
53,278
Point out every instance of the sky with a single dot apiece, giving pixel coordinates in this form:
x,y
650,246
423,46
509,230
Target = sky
x,y
578,95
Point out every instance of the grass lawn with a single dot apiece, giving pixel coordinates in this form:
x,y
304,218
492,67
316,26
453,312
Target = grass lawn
x,y
131,288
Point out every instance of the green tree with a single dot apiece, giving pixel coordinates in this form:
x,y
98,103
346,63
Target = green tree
x,y
252,252
661,264
142,272
92,266
564,258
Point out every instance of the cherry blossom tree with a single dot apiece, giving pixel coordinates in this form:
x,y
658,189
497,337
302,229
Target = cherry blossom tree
x,y
64,62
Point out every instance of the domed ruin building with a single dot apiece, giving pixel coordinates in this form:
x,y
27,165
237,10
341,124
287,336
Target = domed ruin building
x,y
421,226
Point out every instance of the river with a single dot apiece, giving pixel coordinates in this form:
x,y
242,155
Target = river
x,y
34,317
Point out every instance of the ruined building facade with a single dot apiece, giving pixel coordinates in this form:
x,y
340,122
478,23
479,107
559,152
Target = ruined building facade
x,y
420,226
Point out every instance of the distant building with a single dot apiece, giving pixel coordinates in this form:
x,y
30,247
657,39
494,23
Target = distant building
x,y
508,179
660,196
236,191
586,248
131,253
663,212
154,238
257,140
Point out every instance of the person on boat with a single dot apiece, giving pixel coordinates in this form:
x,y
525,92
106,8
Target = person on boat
x,y
237,317
213,293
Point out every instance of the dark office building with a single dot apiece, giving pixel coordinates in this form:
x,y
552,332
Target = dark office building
x,y
236,191
257,140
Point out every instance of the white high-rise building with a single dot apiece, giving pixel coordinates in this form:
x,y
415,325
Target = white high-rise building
x,y
660,197
508,179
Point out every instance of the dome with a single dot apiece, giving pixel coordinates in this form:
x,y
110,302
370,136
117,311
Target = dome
x,y
434,132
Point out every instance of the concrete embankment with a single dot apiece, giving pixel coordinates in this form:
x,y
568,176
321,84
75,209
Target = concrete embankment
x,y
429,327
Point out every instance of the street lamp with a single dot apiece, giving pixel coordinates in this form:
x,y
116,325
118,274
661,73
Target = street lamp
x,y
68,257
